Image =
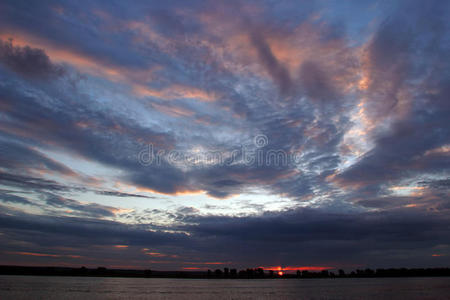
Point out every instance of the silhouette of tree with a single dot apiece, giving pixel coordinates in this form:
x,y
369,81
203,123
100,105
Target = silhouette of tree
x,y
148,273
249,273
369,272
218,273
260,272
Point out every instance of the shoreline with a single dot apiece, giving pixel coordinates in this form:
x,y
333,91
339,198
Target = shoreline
x,y
218,274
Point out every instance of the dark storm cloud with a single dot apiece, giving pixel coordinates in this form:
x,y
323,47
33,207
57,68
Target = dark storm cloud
x,y
52,201
20,157
90,209
72,230
9,197
302,236
27,61
277,71
315,82
294,235
307,224
436,184
44,185
28,182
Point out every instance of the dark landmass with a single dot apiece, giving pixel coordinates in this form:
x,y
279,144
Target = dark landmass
x,y
226,273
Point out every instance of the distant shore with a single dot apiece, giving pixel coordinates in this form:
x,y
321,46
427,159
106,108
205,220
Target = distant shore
x,y
226,273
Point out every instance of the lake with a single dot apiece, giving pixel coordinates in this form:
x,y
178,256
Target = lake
x,y
43,287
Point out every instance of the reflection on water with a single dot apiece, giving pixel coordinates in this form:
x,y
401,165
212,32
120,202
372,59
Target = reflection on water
x,y
30,287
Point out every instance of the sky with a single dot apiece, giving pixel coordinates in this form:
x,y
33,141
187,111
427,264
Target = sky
x,y
192,135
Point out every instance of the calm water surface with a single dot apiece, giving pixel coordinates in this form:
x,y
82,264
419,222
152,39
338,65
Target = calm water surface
x,y
31,287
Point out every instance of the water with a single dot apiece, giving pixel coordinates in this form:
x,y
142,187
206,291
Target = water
x,y
42,287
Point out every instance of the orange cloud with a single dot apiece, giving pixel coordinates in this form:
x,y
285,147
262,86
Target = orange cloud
x,y
181,191
399,188
444,150
175,91
156,254
174,111
143,33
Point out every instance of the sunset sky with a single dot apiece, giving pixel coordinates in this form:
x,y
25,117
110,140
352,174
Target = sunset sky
x,y
353,95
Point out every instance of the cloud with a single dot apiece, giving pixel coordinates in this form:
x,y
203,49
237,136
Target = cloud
x,y
27,61
11,198
76,231
21,157
436,184
89,209
315,82
120,194
408,134
32,183
303,237
276,69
